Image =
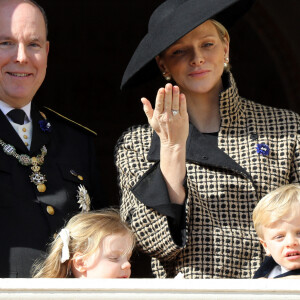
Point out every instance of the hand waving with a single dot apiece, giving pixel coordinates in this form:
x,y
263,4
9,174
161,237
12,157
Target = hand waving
x,y
169,119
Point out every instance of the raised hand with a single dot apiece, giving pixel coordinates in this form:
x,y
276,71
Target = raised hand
x,y
169,118
171,122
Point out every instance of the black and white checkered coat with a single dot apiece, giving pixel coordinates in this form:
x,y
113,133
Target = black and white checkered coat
x,y
224,183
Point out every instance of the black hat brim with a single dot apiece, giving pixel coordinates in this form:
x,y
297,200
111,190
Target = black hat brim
x,y
188,16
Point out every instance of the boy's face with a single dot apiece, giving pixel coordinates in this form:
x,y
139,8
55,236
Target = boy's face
x,y
281,240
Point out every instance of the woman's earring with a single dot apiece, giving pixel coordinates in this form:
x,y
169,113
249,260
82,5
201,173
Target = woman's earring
x,y
226,62
167,77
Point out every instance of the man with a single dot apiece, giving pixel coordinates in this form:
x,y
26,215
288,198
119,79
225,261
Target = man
x,y
47,162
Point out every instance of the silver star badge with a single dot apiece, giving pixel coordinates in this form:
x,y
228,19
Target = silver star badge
x,y
83,198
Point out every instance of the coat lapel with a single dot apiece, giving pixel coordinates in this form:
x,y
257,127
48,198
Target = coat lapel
x,y
39,138
202,149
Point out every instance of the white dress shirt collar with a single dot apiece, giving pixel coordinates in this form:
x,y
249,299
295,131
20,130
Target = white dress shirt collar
x,y
5,108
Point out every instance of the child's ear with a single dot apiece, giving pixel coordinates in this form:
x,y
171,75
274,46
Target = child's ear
x,y
79,263
264,244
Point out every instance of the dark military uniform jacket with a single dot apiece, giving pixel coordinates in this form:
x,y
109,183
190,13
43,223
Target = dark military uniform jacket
x,y
29,218
256,151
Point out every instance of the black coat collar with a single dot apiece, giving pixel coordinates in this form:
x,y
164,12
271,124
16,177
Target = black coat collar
x,y
202,148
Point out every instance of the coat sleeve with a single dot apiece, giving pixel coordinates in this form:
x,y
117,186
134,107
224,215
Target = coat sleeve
x,y
295,164
145,202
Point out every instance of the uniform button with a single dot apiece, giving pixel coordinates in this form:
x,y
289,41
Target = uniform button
x,y
26,144
24,129
204,157
25,136
50,210
80,177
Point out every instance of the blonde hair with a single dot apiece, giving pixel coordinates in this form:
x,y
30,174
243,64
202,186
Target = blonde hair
x,y
224,35
87,230
275,205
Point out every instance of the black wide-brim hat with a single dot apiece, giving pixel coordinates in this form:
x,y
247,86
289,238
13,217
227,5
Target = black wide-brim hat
x,y
171,21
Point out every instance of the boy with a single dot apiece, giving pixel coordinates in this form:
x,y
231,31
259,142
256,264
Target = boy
x,y
277,223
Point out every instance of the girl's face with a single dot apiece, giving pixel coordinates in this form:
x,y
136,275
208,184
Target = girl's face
x,y
196,61
111,260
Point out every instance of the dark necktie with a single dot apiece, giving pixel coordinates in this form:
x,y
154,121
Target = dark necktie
x,y
17,116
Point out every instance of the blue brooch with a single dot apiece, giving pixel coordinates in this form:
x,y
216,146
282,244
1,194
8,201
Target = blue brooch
x,y
45,125
263,149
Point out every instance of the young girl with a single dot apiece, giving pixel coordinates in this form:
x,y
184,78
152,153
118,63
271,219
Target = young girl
x,y
95,244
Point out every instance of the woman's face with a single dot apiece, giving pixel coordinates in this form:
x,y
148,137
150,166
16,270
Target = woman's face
x,y
196,61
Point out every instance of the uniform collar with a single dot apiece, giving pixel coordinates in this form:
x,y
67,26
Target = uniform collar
x,y
39,138
10,136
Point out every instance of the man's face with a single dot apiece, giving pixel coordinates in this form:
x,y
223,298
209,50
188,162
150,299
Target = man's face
x,y
23,52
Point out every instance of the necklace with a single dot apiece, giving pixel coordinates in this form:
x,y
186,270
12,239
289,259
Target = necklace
x,y
36,177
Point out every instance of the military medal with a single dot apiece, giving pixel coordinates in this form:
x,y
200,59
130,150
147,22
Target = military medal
x,y
36,177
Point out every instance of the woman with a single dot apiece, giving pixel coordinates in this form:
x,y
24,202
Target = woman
x,y
191,179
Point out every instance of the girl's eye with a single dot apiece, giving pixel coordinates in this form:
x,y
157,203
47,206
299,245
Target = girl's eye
x,y
114,259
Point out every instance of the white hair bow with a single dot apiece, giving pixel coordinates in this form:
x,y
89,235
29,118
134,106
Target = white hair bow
x,y
65,236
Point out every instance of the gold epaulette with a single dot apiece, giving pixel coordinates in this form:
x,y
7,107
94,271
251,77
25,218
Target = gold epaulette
x,y
95,133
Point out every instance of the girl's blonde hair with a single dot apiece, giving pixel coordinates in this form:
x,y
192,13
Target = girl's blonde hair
x,y
276,205
87,230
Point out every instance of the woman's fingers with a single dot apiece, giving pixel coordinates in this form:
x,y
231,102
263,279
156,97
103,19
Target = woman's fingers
x,y
168,98
147,108
159,102
182,106
175,102
169,102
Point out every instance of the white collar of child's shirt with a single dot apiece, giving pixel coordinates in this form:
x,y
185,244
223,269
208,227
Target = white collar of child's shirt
x,y
277,270
6,108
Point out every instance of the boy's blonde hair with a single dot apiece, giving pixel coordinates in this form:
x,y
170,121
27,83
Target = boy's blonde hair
x,y
275,205
87,230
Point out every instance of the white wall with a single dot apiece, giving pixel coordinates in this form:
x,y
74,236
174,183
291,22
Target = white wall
x,y
146,289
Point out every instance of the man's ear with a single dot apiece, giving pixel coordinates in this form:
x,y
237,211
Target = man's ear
x,y
264,244
79,263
